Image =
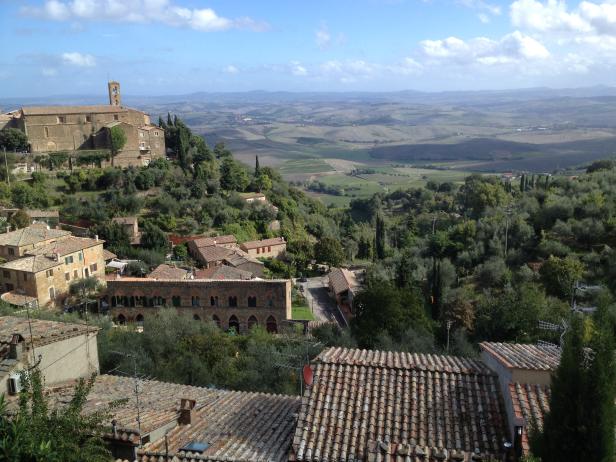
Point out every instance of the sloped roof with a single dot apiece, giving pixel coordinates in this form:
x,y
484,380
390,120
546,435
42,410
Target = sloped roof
x,y
223,272
43,213
342,280
31,235
43,332
33,264
212,253
264,243
237,257
530,403
168,272
372,405
238,426
210,241
108,255
523,356
66,246
53,110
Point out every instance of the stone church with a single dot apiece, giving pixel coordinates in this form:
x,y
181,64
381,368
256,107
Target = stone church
x,y
74,128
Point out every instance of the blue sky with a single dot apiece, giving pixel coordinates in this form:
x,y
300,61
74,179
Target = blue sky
x,y
157,47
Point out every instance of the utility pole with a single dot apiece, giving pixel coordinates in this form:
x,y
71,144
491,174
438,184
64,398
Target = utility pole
x,y
449,323
6,165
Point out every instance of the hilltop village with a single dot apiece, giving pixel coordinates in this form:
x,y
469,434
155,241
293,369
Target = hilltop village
x,y
169,303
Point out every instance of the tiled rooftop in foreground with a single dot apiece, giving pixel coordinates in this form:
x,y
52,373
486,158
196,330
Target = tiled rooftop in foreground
x,y
236,426
530,403
43,332
385,406
522,356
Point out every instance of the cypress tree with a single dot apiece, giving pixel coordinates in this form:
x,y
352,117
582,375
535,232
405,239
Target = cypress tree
x,y
169,121
380,237
257,167
522,183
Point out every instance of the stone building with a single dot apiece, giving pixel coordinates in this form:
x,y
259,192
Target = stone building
x,y
265,248
15,244
131,225
232,304
66,351
74,128
43,275
223,250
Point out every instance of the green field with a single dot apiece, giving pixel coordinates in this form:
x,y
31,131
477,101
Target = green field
x,y
385,179
300,166
302,313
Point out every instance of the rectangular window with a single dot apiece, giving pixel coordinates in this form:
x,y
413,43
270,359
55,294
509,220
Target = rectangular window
x,y
61,119
93,268
88,118
9,287
11,251
6,274
49,273
116,117
67,276
25,275
46,132
52,293
68,260
80,256
86,273
75,274
155,133
141,134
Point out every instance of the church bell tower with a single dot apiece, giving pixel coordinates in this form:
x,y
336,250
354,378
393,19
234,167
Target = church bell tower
x,y
114,93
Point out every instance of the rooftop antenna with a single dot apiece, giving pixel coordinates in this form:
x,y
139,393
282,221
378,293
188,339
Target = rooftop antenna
x,y
136,389
550,326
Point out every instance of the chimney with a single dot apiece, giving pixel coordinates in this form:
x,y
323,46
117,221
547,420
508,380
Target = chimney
x,y
8,228
187,411
96,237
16,347
114,429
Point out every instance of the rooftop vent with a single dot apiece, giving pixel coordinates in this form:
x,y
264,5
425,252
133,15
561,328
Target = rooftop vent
x,y
195,446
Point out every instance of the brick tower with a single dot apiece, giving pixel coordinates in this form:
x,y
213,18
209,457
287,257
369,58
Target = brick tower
x,y
114,93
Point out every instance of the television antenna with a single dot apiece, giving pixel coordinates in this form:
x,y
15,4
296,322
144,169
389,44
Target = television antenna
x,y
136,389
550,326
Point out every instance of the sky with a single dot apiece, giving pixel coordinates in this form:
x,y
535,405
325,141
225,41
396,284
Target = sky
x,y
166,47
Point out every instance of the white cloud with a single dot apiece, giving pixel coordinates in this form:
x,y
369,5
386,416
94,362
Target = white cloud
x,y
484,18
298,70
543,17
49,72
231,69
513,47
322,37
481,5
144,11
78,59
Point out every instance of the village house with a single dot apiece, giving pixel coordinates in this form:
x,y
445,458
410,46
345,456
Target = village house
x,y
525,374
164,271
74,128
223,272
231,304
43,275
372,406
265,248
62,351
187,424
15,244
131,226
223,250
343,285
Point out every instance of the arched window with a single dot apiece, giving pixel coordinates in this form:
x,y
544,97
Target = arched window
x,y
234,323
176,300
139,319
216,320
214,301
252,302
252,321
233,301
196,317
121,319
271,325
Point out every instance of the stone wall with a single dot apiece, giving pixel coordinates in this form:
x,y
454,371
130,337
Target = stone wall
x,y
265,302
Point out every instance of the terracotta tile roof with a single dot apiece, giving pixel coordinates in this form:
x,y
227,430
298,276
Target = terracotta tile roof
x,y
107,255
52,110
31,235
168,272
66,246
530,404
31,264
238,426
177,239
264,243
372,405
212,253
522,356
223,272
210,241
43,332
238,257
341,280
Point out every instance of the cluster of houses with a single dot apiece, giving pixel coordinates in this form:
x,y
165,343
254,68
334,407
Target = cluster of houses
x,y
357,405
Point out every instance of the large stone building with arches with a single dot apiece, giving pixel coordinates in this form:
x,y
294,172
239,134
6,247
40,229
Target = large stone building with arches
x,y
231,304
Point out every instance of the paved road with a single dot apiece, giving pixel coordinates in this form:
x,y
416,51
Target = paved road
x,y
318,299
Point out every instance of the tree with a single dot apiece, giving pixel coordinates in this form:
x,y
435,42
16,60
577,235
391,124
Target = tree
x,y
38,432
13,139
20,219
581,421
117,140
380,237
560,275
233,176
329,251
85,290
257,167
153,237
